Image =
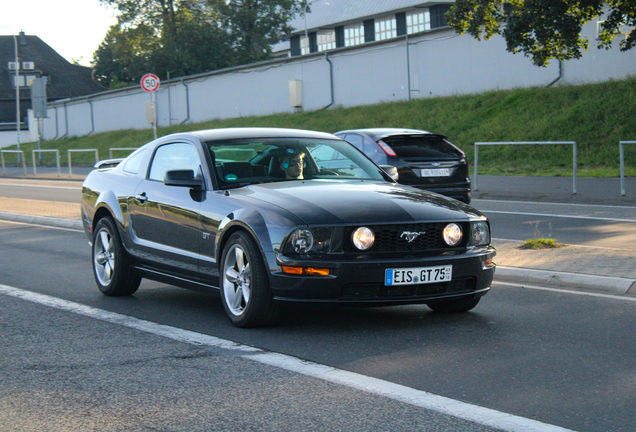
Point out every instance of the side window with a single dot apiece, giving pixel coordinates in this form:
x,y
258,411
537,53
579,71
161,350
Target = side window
x,y
372,150
354,139
176,156
322,153
133,164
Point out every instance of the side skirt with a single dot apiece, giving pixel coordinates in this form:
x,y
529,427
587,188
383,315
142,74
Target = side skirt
x,y
176,281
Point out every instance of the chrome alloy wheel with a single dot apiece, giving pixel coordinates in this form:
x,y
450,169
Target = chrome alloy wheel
x,y
104,256
237,278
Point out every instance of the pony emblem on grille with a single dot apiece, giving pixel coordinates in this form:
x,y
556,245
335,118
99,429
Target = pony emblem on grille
x,y
410,236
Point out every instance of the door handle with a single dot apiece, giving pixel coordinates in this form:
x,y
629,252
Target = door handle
x,y
141,198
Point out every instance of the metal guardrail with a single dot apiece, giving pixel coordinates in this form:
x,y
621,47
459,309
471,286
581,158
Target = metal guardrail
x,y
70,169
21,152
622,157
573,143
110,150
57,159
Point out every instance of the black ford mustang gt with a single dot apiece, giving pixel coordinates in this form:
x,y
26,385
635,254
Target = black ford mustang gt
x,y
216,210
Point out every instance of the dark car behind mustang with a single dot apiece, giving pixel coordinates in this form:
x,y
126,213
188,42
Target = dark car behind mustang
x,y
213,211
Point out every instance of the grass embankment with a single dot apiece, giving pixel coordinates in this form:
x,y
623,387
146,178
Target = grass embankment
x,y
596,116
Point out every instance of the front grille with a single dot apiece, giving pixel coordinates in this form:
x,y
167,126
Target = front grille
x,y
389,238
379,291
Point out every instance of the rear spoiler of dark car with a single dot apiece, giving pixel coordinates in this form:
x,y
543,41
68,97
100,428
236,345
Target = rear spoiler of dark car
x,y
423,135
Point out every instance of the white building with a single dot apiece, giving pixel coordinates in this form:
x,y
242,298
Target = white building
x,y
349,53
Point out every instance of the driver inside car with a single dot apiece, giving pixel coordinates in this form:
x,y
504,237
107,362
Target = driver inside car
x,y
292,165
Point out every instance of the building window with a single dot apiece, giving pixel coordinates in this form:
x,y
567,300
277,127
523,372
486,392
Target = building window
x,y
354,35
326,40
25,80
385,28
417,21
304,45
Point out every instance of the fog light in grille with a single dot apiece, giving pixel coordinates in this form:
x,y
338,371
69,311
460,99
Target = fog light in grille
x,y
452,234
305,271
363,238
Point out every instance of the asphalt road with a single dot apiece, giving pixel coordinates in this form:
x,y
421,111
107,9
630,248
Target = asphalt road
x,y
574,224
577,224
42,190
559,357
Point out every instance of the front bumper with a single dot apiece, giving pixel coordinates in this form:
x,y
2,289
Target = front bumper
x,y
362,280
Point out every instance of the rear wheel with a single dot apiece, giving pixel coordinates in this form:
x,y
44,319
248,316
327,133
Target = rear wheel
x,y
111,266
245,291
463,304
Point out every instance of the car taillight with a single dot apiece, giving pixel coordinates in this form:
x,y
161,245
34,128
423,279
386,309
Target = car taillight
x,y
388,150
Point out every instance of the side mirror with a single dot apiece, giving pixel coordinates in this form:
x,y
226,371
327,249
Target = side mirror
x,y
391,172
183,178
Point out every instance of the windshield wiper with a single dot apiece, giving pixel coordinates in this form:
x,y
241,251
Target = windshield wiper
x,y
243,184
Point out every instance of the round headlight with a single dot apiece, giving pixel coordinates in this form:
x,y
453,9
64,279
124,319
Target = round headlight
x,y
302,240
481,233
363,238
452,234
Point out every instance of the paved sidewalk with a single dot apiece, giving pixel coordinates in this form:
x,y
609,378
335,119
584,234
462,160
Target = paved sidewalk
x,y
611,270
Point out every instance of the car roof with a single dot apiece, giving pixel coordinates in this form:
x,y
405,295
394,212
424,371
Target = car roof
x,y
379,133
251,133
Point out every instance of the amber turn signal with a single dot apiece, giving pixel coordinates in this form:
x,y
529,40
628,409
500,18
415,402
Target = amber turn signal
x,y
305,271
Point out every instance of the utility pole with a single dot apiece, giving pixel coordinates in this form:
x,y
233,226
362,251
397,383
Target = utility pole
x,y
17,90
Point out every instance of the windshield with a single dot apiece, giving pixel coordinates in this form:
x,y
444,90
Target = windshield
x,y
250,161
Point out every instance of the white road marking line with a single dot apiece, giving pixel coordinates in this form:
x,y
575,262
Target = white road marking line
x,y
375,386
559,216
41,226
47,186
567,291
553,204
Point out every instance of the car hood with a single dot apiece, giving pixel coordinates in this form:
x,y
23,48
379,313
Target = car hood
x,y
327,202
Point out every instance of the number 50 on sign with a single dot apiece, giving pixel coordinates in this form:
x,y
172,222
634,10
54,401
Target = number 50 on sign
x,y
150,82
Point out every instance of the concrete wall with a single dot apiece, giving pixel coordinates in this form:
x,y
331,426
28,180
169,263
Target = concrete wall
x,y
442,63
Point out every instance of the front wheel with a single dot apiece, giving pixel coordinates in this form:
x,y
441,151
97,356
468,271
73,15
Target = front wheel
x,y
245,291
463,304
111,267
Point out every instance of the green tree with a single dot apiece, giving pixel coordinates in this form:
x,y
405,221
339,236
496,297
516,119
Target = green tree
x,y
124,56
255,25
181,37
544,29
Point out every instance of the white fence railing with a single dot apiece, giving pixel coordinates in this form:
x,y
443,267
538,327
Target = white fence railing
x,y
573,143
110,150
70,168
57,159
21,157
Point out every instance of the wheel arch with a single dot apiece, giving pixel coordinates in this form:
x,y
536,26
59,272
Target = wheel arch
x,y
233,228
108,205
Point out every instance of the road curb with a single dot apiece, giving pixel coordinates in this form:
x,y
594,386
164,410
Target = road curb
x,y
565,279
42,220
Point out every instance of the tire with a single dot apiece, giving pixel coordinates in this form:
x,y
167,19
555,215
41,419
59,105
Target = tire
x,y
111,266
245,292
463,304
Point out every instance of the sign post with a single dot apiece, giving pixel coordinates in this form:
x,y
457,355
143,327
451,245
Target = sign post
x,y
150,83
38,103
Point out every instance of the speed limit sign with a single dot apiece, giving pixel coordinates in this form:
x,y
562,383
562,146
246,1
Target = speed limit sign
x,y
150,82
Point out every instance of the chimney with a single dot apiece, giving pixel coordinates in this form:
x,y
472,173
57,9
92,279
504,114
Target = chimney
x,y
22,38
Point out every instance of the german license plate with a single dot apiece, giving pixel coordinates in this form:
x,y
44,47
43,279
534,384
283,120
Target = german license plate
x,y
421,275
435,172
